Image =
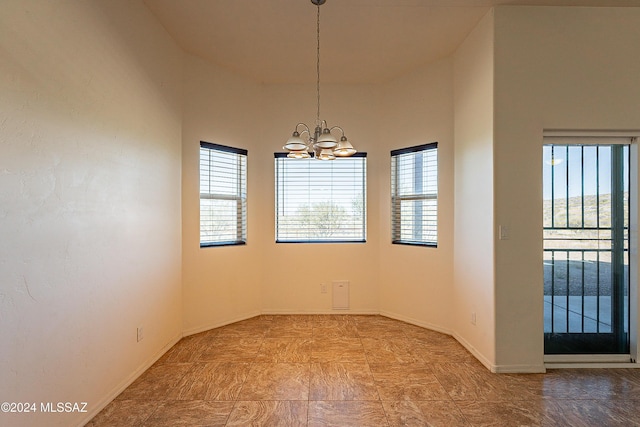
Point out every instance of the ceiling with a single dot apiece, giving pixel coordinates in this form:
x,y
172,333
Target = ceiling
x,y
362,41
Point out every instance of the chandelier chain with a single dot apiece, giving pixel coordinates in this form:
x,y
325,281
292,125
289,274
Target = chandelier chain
x,y
318,66
320,143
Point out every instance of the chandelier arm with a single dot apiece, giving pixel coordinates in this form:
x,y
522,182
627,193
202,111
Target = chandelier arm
x,y
305,126
336,127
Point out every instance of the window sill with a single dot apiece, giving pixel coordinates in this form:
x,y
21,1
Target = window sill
x,y
215,244
403,242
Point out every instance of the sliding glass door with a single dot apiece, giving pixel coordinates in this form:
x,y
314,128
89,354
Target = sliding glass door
x,y
586,243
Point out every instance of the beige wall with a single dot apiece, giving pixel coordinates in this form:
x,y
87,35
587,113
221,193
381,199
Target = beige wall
x,y
220,284
293,272
98,236
473,281
415,282
225,284
555,68
412,283
89,201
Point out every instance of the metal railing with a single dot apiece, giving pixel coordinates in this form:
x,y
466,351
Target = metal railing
x,y
578,292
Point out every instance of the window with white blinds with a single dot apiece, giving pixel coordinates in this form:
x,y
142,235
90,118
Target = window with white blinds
x,y
223,195
321,201
414,195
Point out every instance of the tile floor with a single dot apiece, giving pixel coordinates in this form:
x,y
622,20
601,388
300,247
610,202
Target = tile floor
x,y
350,370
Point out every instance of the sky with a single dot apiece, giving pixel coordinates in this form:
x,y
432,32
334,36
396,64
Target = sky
x,y
594,160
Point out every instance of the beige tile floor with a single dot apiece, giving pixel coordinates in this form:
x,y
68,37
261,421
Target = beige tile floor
x,y
357,371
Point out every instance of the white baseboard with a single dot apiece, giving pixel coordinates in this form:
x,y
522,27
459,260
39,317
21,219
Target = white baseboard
x,y
128,381
416,322
474,351
593,365
502,369
209,326
518,369
493,368
499,369
589,361
276,312
587,358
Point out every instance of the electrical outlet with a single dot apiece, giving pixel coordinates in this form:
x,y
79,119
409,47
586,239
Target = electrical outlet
x,y
140,333
473,318
323,288
503,231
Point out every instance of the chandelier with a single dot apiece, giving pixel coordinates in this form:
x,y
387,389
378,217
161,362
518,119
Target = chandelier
x,y
321,143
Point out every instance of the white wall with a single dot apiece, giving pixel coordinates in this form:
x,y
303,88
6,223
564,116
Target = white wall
x,y
220,284
225,284
415,282
473,283
95,242
89,201
556,68
292,271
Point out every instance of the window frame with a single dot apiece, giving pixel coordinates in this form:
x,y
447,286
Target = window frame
x,y
396,200
279,183
240,196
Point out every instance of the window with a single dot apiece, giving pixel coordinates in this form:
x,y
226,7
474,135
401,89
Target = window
x,y
223,195
321,201
414,195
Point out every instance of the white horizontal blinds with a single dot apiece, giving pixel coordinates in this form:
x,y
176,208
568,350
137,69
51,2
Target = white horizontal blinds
x,y
414,195
223,195
321,201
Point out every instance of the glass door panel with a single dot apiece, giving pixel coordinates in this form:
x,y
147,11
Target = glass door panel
x,y
586,242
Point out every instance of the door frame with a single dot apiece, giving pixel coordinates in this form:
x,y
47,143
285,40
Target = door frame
x,y
565,137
